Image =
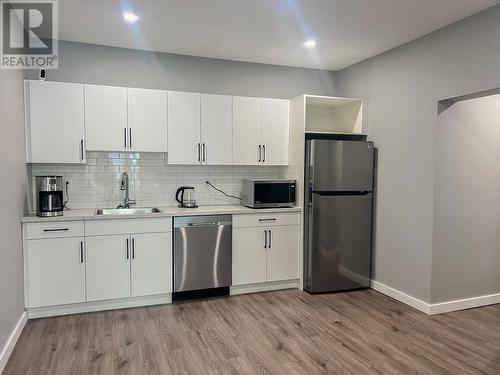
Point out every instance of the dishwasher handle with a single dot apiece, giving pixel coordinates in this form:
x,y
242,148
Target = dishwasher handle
x,y
214,223
200,221
209,224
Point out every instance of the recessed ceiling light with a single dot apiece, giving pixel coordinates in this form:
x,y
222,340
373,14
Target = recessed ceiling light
x,y
130,17
310,43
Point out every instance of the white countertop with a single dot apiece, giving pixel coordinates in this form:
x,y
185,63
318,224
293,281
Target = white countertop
x,y
89,214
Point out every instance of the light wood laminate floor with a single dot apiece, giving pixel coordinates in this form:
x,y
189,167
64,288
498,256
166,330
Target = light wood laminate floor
x,y
286,332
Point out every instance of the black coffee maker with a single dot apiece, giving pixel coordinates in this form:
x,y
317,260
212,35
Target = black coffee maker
x,y
49,196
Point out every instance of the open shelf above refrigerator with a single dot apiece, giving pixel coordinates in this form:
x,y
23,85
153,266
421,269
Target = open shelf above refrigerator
x,y
332,115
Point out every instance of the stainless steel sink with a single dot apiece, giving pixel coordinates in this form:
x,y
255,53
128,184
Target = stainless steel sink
x,y
127,211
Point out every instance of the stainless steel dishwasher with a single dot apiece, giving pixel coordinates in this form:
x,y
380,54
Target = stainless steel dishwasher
x,y
202,256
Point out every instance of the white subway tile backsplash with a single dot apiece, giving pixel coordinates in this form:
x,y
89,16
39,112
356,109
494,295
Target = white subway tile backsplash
x,y
152,182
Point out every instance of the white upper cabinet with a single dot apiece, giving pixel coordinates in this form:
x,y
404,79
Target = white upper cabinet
x,y
184,146
247,116
55,128
125,119
275,129
106,118
147,120
261,129
216,129
63,120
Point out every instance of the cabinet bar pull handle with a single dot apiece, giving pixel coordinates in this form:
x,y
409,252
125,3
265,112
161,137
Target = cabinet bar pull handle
x,y
56,230
265,239
133,248
199,152
264,149
271,219
204,153
127,250
270,240
81,251
130,137
260,153
125,136
81,148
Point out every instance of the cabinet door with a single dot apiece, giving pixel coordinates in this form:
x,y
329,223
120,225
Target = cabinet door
x,y
275,128
184,128
246,130
108,267
147,120
283,253
106,118
249,256
56,272
151,266
55,127
216,129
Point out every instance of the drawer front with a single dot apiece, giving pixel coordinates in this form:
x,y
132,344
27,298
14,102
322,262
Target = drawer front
x,y
55,229
126,226
266,220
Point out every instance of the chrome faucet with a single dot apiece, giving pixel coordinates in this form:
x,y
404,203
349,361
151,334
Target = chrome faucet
x,y
124,185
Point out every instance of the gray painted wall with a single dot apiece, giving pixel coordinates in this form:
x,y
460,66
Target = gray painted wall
x,y
403,87
466,248
13,189
90,63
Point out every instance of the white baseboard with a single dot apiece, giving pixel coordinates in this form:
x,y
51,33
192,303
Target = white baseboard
x,y
467,303
436,308
263,287
11,342
401,297
77,308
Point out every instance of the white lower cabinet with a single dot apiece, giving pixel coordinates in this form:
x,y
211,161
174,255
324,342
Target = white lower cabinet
x,y
132,265
282,253
115,259
124,260
151,264
108,267
73,262
249,256
55,271
263,250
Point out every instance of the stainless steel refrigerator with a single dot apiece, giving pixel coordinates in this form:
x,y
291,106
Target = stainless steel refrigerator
x,y
338,218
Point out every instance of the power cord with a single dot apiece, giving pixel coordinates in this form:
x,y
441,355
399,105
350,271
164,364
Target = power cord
x,y
223,192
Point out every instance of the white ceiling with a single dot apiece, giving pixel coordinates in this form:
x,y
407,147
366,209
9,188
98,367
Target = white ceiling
x,y
264,31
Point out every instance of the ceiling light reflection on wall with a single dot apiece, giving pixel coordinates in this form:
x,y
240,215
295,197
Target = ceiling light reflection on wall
x,y
310,43
130,17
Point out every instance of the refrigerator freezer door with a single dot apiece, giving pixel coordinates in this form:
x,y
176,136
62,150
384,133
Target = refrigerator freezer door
x,y
339,165
338,243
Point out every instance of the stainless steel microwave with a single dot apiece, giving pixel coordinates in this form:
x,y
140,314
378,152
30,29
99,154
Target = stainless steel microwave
x,y
262,193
